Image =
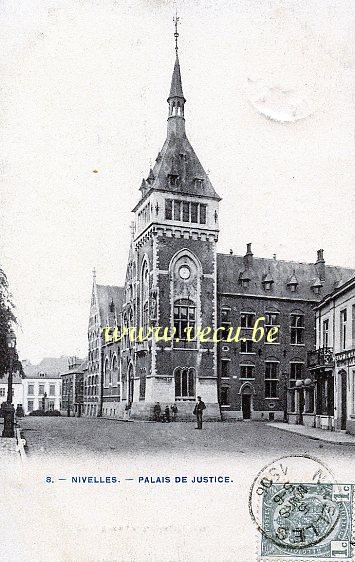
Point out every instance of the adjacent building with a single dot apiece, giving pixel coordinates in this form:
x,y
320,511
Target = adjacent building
x,y
103,360
256,378
41,391
73,387
331,366
17,389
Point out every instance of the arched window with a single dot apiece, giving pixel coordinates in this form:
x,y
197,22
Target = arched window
x,y
106,372
130,325
145,297
184,383
114,370
184,317
125,325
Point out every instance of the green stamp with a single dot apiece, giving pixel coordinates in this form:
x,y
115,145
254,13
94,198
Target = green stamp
x,y
312,520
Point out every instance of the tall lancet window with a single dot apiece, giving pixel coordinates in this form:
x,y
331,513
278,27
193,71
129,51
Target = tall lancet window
x,y
145,297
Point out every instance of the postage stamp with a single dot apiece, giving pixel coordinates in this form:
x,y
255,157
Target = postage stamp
x,y
301,512
307,520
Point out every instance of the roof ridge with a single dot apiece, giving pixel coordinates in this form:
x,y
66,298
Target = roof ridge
x,y
286,261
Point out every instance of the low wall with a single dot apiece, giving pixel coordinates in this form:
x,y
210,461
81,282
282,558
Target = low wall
x,y
145,411
256,415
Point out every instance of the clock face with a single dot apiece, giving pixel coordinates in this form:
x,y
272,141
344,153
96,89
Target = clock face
x,y
184,272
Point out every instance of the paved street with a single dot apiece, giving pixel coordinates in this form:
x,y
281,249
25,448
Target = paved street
x,y
82,436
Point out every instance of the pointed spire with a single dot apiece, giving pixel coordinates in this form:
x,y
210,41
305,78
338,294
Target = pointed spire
x,y
94,275
143,185
151,176
176,100
176,84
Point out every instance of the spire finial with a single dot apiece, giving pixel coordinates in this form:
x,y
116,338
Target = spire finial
x,y
176,20
94,274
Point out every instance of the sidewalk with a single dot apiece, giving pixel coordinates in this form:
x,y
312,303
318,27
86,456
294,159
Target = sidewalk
x,y
8,446
338,438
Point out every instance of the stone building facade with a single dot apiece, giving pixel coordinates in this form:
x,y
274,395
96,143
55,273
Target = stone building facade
x,y
42,391
73,387
176,279
105,310
332,364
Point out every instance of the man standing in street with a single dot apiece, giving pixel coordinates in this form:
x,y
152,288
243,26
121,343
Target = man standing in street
x,y
157,412
199,407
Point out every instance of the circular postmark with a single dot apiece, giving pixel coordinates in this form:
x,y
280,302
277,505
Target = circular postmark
x,y
291,501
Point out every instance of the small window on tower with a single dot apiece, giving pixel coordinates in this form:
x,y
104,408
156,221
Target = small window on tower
x,y
177,210
185,211
203,214
168,209
194,212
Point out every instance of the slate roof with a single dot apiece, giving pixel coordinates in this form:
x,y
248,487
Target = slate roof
x,y
50,366
340,289
177,157
106,295
230,268
77,369
44,376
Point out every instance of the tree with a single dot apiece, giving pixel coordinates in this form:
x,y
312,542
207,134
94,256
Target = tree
x,y
7,319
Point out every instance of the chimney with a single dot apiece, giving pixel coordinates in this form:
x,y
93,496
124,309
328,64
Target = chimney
x,y
231,252
248,258
320,265
274,256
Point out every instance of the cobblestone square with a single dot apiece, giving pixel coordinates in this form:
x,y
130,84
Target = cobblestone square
x,y
86,436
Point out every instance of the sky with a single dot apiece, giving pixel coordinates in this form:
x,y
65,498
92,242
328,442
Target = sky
x,y
84,88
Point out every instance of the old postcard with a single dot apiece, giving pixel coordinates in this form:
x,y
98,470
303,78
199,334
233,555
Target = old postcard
x,y
177,281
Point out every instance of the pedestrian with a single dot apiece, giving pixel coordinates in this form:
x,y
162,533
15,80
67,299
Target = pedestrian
x,y
167,413
127,411
198,410
174,411
157,412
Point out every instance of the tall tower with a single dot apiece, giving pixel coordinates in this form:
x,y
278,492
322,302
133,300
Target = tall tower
x,y
174,242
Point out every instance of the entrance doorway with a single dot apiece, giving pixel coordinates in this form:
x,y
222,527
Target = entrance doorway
x,y
246,406
343,400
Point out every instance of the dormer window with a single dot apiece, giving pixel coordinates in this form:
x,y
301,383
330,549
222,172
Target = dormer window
x,y
316,286
173,180
267,282
198,183
244,279
293,283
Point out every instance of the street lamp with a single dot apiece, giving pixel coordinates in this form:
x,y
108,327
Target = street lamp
x,y
9,410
